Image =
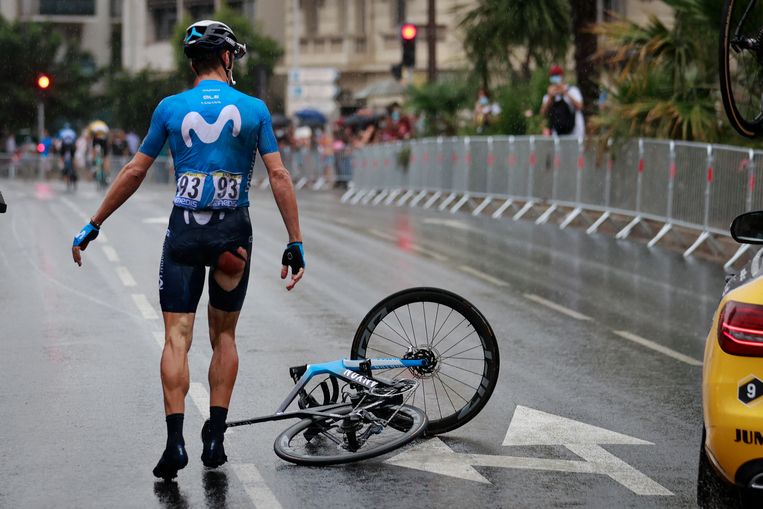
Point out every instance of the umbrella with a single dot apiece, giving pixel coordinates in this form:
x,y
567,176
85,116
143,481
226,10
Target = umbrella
x,y
311,117
279,120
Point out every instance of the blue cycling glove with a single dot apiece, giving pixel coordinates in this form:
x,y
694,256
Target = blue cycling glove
x,y
87,233
294,256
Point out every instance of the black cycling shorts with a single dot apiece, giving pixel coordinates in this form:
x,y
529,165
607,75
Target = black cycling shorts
x,y
103,143
194,241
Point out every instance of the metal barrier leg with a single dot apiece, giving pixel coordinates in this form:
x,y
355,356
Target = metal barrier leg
x,y
543,219
265,184
319,184
477,211
623,234
347,195
664,231
700,240
500,210
418,198
524,210
447,201
379,197
465,198
570,218
359,196
404,198
742,250
367,198
394,194
301,183
433,199
595,226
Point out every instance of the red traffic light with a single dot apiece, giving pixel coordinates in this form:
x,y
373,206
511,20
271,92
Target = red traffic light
x,y
43,81
40,148
408,32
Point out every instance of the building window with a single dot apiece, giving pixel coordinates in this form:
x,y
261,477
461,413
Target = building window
x,y
341,17
360,17
116,8
68,8
399,12
164,22
310,14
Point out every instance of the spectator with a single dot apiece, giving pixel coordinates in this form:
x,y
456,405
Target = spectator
x,y
133,142
563,106
485,110
10,144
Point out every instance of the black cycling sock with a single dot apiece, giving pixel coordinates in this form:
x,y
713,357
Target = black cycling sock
x,y
217,417
175,429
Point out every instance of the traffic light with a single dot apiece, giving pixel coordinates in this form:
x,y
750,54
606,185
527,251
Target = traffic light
x,y
397,71
43,82
408,37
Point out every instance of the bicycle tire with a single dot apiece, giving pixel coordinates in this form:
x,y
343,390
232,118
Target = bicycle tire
x,y
484,381
746,127
287,445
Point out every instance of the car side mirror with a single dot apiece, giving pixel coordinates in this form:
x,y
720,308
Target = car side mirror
x,y
748,228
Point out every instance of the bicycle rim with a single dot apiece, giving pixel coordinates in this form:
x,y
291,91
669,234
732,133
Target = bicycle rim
x,y
457,341
741,65
331,441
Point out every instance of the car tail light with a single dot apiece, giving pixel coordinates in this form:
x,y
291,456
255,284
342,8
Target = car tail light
x,y
740,329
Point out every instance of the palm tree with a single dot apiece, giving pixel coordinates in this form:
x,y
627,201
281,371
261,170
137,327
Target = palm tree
x,y
583,20
500,33
663,78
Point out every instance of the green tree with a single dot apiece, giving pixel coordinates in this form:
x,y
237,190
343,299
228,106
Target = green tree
x,y
33,48
133,97
498,34
663,78
586,71
440,103
263,52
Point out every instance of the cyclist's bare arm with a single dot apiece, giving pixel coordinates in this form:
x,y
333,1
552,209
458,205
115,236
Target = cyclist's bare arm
x,y
126,183
283,192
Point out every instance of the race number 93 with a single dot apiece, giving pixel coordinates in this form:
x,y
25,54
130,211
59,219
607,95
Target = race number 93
x,y
190,186
227,186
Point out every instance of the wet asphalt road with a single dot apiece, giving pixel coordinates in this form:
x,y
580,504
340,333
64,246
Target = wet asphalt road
x,y
82,418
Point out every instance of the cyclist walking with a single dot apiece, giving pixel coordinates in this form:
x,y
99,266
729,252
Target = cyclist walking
x,y
214,133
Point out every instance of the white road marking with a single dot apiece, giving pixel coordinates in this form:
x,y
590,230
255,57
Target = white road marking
x,y
111,253
159,337
84,217
255,486
428,252
382,235
155,220
451,223
556,307
533,427
145,307
125,276
485,277
200,398
658,348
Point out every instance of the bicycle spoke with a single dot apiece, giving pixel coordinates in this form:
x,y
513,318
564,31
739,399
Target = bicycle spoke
x,y
446,393
441,326
426,332
459,381
404,338
464,358
449,333
459,353
395,342
459,341
451,388
434,327
462,369
413,329
437,399
394,312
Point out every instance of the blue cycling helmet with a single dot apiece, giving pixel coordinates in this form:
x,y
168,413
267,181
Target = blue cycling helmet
x,y
208,36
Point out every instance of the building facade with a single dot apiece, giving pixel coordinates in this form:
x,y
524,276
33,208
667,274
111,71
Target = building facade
x,y
135,34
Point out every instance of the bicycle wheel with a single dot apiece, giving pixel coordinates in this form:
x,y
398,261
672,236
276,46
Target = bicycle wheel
x,y
353,436
741,65
451,334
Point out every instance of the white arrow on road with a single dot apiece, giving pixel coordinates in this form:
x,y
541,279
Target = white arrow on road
x,y
533,427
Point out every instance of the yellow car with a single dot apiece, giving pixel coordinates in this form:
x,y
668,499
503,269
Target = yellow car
x,y
731,457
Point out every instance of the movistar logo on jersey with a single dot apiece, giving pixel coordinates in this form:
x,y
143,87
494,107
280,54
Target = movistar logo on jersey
x,y
210,133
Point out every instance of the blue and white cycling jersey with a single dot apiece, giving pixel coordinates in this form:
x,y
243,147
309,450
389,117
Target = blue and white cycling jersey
x,y
214,133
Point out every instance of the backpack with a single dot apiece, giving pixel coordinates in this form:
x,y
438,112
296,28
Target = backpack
x,y
561,117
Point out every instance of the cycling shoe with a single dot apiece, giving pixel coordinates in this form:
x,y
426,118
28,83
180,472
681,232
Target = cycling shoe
x,y
213,453
173,459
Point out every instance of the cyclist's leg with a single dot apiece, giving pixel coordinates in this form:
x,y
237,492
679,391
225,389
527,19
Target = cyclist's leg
x,y
180,288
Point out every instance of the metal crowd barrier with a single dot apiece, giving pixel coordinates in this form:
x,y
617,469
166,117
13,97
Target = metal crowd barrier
x,y
695,186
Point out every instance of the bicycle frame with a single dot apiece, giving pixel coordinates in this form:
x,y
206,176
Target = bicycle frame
x,y
351,371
